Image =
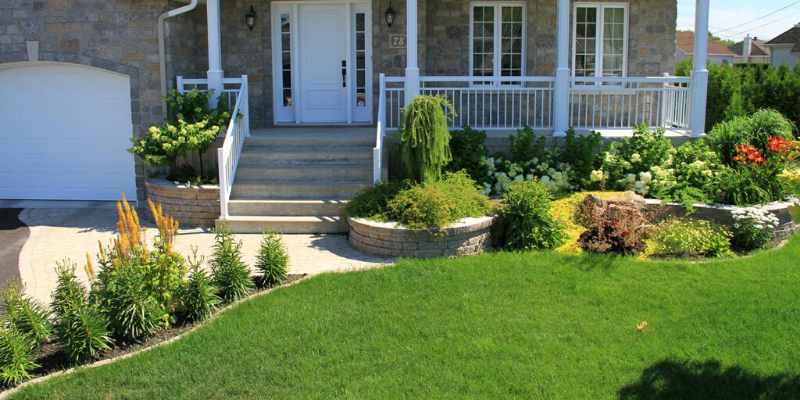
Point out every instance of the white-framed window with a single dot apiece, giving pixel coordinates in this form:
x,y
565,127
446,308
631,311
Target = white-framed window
x,y
600,45
497,40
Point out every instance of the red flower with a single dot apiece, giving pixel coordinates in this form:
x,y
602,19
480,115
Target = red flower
x,y
777,145
748,155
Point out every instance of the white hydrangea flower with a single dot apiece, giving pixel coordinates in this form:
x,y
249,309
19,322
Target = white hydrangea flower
x,y
636,157
645,177
596,176
630,178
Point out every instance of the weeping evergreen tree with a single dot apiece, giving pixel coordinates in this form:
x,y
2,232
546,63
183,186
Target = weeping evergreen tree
x,y
424,138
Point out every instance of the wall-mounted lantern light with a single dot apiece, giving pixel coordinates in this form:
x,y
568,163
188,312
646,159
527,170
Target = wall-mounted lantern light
x,y
250,18
389,14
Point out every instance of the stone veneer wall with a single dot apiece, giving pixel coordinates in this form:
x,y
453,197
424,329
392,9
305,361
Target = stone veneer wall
x,y
651,37
194,206
472,236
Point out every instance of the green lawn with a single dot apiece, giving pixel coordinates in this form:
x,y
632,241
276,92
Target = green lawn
x,y
530,325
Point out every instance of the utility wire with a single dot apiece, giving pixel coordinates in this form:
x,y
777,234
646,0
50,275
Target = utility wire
x,y
762,17
760,26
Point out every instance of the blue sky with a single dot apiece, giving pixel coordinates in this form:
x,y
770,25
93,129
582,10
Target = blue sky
x,y
727,14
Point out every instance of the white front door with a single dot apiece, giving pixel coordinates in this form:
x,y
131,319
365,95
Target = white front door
x,y
323,63
322,66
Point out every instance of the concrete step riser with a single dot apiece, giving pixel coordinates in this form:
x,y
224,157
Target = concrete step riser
x,y
290,191
315,143
306,158
286,209
300,174
289,227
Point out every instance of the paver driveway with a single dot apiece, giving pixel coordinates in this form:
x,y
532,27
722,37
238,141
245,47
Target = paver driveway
x,y
72,233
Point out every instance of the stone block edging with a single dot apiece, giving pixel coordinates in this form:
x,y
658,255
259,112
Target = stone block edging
x,y
386,239
191,206
721,214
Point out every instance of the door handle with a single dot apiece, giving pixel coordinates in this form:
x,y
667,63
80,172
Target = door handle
x,y
344,73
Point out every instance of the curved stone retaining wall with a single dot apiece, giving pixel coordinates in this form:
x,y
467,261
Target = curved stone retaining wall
x,y
471,236
721,214
192,206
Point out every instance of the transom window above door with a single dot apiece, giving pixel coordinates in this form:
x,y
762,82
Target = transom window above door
x,y
497,32
600,47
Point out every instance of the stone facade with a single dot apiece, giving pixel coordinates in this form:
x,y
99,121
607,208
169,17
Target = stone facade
x,y
471,236
193,206
122,36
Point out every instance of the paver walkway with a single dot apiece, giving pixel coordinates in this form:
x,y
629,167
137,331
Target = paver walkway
x,y
72,233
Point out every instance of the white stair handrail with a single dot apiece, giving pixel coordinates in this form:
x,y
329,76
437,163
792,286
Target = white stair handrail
x,y
377,152
228,154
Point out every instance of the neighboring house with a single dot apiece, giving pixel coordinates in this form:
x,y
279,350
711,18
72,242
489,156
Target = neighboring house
x,y
785,47
717,52
750,51
79,78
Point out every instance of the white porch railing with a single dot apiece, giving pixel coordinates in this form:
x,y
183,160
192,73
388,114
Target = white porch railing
x,y
377,152
594,103
228,154
230,91
603,103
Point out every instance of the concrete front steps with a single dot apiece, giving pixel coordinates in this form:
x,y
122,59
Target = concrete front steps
x,y
296,180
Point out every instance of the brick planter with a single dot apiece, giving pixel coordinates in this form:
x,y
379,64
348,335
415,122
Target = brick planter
x,y
721,214
192,206
471,236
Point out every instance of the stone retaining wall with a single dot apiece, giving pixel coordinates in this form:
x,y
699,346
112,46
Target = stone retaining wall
x,y
192,206
722,215
471,236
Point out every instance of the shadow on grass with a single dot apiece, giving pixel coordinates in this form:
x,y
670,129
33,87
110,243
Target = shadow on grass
x,y
707,380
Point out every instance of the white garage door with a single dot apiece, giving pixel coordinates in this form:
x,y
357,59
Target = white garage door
x,y
64,131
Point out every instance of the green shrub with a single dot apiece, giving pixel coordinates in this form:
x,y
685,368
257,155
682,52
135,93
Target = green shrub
x,y
272,261
199,298
752,228
83,332
229,273
17,350
69,291
527,222
755,130
625,161
583,155
371,202
28,316
526,145
424,137
132,309
468,150
690,238
438,204
746,186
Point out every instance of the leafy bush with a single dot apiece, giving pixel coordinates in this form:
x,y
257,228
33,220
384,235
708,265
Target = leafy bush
x,y
438,204
229,273
424,137
752,227
17,350
527,222
690,238
191,125
736,92
583,155
26,315
372,202
468,150
133,311
746,186
526,146
199,297
754,131
563,211
68,290
272,261
624,161
615,226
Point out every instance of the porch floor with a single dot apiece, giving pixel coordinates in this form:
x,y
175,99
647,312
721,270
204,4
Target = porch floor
x,y
314,131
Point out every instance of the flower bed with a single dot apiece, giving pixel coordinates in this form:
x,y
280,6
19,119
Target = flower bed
x,y
386,239
190,206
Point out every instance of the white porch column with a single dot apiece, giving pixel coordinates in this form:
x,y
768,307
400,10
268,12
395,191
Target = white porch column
x,y
561,97
699,72
215,73
412,71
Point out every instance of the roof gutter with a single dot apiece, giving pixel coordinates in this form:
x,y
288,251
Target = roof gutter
x,y
162,57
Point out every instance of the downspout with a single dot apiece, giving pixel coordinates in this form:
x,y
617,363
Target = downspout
x,y
162,52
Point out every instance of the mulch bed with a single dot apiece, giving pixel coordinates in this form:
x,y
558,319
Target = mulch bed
x,y
51,358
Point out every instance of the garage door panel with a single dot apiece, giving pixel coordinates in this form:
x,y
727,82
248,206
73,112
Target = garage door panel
x,y
65,133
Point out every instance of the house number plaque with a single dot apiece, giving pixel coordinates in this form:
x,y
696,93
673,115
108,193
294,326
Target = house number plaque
x,y
397,41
